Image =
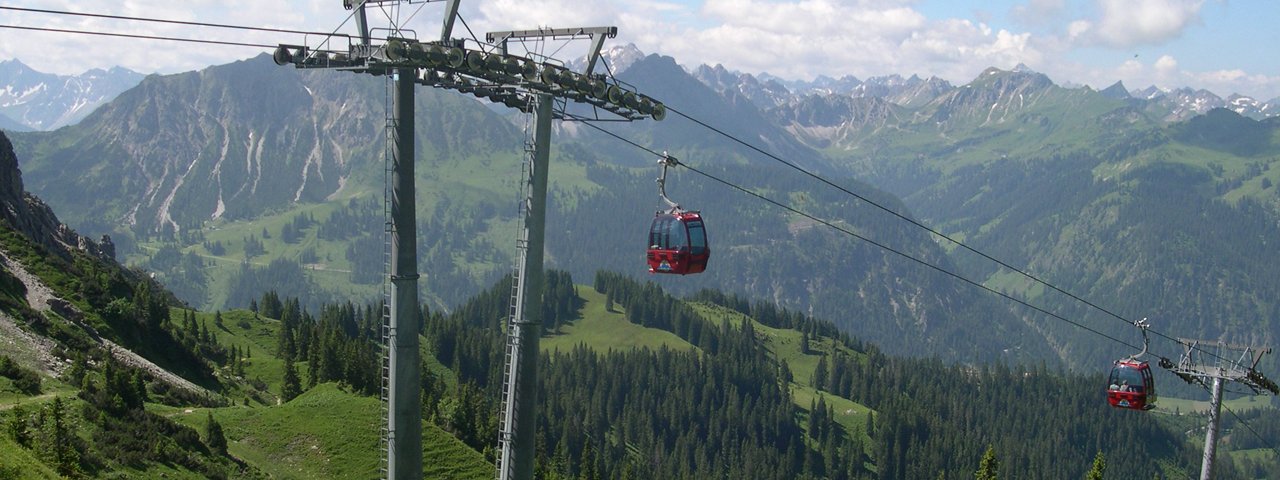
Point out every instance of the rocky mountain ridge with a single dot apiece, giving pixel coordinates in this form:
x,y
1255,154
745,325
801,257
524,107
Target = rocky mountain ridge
x,y
768,91
45,101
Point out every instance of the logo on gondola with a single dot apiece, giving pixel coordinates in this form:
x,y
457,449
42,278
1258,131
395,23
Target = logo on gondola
x,y
1124,403
664,265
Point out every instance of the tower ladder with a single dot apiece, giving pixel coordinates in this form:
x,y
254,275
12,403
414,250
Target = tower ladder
x,y
386,329
515,318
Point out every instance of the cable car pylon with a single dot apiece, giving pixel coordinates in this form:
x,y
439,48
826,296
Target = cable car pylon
x,y
1221,369
532,83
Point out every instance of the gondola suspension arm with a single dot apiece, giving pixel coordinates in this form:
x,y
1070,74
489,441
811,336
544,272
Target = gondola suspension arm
x,y
667,161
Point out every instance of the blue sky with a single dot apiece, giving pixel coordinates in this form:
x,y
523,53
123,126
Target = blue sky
x,y
1226,46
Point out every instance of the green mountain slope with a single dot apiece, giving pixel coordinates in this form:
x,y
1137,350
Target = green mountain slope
x,y
860,413
328,433
281,189
1168,221
209,162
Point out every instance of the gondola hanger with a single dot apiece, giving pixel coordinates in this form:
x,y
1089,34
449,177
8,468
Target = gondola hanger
x,y
667,161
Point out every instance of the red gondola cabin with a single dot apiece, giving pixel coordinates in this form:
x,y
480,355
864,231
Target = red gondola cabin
x,y
678,244
1131,386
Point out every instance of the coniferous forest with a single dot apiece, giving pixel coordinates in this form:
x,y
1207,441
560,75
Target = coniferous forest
x,y
725,409
725,399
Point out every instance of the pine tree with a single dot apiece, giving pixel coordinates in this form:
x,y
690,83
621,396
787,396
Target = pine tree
x,y
989,467
292,384
819,379
214,437
55,439
17,426
1099,467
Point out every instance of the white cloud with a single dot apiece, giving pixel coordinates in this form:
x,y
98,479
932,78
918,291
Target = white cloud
x,y
1128,23
66,53
1167,73
1078,29
529,14
1166,65
806,38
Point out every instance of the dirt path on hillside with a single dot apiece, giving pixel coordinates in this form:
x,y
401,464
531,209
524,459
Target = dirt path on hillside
x,y
28,401
38,295
41,298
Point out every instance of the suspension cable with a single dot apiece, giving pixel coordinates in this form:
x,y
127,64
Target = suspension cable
x,y
880,245
169,21
931,230
133,35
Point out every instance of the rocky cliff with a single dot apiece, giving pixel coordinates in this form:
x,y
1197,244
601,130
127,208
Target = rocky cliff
x,y
28,214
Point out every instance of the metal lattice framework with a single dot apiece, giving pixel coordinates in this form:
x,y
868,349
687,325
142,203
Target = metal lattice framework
x,y
1207,359
1220,362
488,71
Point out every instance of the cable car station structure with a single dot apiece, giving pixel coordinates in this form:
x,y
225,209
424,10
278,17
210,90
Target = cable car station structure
x,y
541,86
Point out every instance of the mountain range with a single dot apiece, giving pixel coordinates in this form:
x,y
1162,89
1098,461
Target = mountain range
x,y
769,92
33,100
101,377
225,185
247,183
42,101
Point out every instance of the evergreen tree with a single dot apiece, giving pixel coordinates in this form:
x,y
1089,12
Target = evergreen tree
x,y
54,439
292,384
989,467
1099,467
214,437
819,380
17,426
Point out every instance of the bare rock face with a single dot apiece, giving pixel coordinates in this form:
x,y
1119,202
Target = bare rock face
x,y
28,214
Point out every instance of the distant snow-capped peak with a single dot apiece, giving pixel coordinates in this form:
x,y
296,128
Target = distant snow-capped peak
x,y
45,101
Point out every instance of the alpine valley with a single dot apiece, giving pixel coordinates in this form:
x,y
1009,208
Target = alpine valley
x,y
254,194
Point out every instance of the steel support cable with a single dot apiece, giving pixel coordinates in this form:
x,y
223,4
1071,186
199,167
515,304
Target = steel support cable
x,y
415,13
902,254
926,227
912,258
1250,428
133,35
175,22
479,44
868,240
